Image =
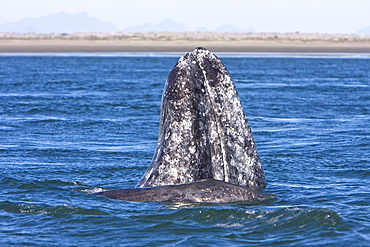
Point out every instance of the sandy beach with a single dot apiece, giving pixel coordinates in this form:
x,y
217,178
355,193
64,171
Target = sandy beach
x,y
183,42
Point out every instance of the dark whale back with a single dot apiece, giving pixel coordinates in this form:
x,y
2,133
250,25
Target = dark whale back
x,y
209,190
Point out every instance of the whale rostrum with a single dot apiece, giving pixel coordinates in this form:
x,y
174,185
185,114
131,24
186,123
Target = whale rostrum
x,y
203,131
204,139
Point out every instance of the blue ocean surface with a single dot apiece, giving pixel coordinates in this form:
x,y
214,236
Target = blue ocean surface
x,y
71,125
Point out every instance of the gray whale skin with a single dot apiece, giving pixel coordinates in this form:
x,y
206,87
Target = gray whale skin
x,y
205,150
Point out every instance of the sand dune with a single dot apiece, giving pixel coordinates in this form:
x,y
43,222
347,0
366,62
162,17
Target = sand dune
x,y
181,42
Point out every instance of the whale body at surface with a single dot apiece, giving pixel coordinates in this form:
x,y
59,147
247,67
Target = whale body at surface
x,y
209,190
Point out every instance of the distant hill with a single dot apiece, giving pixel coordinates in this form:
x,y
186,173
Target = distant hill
x,y
166,25
227,28
59,23
364,31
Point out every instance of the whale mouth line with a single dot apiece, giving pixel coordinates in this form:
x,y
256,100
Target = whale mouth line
x,y
204,139
217,120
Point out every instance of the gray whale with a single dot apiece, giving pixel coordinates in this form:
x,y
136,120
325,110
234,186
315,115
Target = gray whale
x,y
205,151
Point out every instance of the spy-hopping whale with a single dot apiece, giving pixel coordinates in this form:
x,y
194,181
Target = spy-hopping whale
x,y
205,150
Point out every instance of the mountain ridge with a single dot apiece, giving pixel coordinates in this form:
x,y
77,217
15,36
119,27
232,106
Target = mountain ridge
x,y
61,22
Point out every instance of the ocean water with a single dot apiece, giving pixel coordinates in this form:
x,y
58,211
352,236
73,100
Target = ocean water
x,y
74,124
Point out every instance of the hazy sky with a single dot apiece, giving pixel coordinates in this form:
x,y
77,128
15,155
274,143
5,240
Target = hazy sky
x,y
325,16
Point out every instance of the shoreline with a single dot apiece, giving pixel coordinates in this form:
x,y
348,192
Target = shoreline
x,y
183,42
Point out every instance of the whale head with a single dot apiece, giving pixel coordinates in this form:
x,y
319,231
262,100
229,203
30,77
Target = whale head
x,y
204,132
